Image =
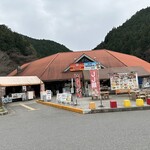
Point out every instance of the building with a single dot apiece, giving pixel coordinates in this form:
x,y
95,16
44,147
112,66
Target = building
x,y
55,72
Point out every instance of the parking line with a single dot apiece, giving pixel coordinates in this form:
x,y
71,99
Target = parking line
x,y
30,108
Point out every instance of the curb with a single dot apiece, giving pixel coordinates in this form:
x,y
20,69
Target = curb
x,y
4,112
69,108
104,110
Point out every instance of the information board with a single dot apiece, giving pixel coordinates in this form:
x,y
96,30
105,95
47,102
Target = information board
x,y
124,81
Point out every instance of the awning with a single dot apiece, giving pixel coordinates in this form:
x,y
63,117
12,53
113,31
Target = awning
x,y
19,81
104,73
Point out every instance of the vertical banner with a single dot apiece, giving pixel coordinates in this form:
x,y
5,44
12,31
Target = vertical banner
x,y
78,85
95,85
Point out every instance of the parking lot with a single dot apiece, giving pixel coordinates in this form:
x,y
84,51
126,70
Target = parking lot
x,y
42,127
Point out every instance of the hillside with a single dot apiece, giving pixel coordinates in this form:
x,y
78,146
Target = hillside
x,y
46,47
132,37
17,49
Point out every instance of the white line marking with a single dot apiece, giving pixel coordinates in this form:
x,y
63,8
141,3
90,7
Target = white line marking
x,y
30,108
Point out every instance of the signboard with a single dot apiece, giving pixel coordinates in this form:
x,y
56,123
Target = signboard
x,y
77,67
84,66
90,65
64,97
24,88
17,95
48,95
124,81
146,82
95,85
78,85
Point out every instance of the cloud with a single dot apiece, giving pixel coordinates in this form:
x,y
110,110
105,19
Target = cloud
x,y
79,25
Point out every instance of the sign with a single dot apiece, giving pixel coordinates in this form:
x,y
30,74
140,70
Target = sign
x,y
17,95
77,67
146,83
24,88
124,81
64,97
84,66
90,65
95,85
48,95
78,85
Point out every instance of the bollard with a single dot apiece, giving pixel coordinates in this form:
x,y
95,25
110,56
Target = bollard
x,y
127,103
113,104
139,102
92,105
148,101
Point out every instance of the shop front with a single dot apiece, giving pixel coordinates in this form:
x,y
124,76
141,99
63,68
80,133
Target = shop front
x,y
19,88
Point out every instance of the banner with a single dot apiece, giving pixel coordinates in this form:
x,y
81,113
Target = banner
x,y
124,81
78,85
95,84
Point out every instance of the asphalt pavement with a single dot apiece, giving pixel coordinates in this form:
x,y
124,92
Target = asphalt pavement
x,y
40,127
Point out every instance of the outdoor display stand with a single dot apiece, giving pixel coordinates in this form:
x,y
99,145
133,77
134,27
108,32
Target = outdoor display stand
x,y
64,98
46,95
30,95
18,88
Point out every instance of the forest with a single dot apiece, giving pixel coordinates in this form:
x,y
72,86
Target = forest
x,y
17,49
132,37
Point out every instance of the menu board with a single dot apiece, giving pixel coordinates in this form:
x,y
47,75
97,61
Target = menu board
x,y
124,81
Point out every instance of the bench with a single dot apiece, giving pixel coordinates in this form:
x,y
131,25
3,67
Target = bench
x,y
104,94
122,91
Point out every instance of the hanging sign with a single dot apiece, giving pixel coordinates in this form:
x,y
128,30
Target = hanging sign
x,y
78,85
95,85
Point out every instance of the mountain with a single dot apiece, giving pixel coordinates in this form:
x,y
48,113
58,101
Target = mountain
x,y
132,37
17,49
46,47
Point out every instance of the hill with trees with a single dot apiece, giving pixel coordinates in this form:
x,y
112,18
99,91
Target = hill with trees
x,y
132,37
17,49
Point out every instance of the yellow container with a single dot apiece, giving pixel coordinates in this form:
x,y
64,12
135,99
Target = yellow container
x,y
139,102
127,103
92,105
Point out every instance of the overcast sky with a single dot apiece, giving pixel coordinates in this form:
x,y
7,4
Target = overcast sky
x,y
77,24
